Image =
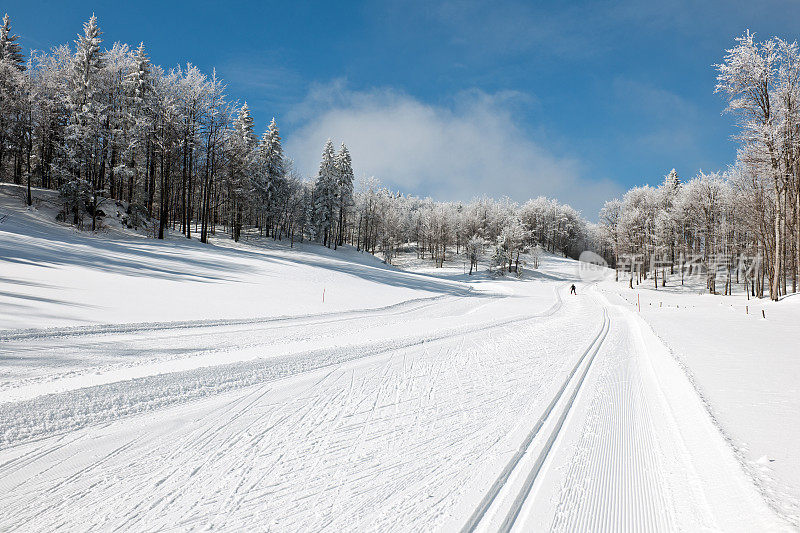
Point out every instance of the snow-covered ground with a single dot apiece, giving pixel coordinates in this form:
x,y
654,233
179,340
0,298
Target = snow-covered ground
x,y
745,367
172,385
54,275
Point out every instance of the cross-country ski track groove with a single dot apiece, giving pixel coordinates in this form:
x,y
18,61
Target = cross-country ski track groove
x,y
576,378
620,432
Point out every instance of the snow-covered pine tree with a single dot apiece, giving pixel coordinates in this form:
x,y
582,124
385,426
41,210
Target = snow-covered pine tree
x,y
12,97
242,143
115,125
344,167
325,195
136,124
139,76
10,50
244,126
276,166
261,182
671,180
84,105
86,65
272,182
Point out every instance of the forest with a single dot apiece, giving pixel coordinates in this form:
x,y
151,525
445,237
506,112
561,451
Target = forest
x,y
741,225
103,124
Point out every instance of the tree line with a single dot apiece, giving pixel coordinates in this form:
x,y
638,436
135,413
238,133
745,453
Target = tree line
x,y
105,125
387,222
696,228
745,222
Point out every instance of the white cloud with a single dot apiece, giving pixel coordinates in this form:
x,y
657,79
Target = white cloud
x,y
470,147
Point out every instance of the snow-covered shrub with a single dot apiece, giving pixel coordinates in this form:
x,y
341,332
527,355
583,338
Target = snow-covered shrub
x,y
135,216
499,260
75,194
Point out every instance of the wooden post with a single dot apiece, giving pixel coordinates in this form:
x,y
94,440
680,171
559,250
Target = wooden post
x,y
747,309
638,303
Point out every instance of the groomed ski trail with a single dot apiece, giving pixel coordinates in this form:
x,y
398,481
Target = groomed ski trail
x,y
637,452
556,409
570,417
389,438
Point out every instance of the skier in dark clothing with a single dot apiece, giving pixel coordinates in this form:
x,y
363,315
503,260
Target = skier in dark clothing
x,y
572,290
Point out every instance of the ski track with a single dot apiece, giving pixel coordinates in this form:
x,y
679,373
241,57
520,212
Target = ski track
x,y
72,409
531,477
128,345
602,457
614,480
378,437
279,321
501,482
467,423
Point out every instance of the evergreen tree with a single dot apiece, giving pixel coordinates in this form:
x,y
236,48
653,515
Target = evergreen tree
x,y
276,167
83,130
15,104
9,49
325,195
672,181
87,63
344,170
139,77
12,103
242,144
137,121
271,181
244,126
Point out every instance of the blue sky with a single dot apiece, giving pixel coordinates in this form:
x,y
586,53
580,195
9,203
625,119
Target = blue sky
x,y
577,100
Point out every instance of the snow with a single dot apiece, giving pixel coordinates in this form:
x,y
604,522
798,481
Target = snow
x,y
54,276
173,385
744,367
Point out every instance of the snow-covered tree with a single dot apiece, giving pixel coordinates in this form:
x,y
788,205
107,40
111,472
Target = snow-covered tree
x,y
10,50
326,195
105,123
344,189
473,248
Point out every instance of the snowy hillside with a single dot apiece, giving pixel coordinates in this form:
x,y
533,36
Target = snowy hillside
x,y
54,275
162,385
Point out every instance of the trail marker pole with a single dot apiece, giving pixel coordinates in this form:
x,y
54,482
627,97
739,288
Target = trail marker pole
x,y
323,294
638,303
764,316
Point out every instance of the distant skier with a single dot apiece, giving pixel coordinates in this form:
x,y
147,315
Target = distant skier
x,y
572,290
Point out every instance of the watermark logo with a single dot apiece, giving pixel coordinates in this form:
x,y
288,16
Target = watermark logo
x,y
592,267
710,267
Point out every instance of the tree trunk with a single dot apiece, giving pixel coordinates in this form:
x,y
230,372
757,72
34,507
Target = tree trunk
x,y
774,288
